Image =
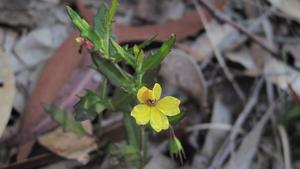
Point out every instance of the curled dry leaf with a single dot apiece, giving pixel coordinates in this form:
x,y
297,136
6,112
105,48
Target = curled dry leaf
x,y
7,91
70,145
181,71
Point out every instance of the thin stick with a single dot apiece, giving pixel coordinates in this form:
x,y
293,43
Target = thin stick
x,y
220,59
224,18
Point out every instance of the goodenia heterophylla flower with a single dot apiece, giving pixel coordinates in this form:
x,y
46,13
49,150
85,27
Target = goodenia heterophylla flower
x,y
153,109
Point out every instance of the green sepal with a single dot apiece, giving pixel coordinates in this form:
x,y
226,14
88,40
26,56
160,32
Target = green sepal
x,y
89,106
65,119
173,120
154,60
175,145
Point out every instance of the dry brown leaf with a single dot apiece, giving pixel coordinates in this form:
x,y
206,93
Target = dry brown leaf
x,y
219,33
70,145
244,58
181,71
51,80
7,91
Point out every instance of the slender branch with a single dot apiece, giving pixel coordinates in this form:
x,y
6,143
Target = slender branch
x,y
221,17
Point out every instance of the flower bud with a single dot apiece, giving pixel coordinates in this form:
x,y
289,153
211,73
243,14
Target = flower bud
x,y
175,148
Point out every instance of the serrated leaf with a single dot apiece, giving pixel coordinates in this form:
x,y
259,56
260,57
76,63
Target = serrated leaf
x,y
154,60
114,73
65,119
89,106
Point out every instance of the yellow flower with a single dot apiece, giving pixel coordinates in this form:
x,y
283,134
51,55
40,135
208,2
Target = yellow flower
x,y
154,109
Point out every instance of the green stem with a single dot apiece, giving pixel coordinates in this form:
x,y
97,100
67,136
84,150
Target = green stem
x,y
142,147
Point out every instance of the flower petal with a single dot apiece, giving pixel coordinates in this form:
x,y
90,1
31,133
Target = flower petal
x,y
141,113
143,94
158,120
168,105
157,91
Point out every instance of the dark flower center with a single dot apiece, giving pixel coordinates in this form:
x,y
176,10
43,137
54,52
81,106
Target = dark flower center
x,y
150,102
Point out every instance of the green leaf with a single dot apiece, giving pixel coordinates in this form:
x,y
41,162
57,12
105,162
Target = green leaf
x,y
99,20
111,14
131,130
123,53
103,25
65,119
122,101
85,29
89,106
176,119
153,61
114,73
103,88
147,42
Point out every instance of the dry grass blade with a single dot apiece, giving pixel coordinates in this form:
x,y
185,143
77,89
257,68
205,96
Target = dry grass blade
x,y
217,52
286,147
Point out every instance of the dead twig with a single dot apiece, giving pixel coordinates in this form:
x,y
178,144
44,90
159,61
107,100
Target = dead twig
x,y
221,17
